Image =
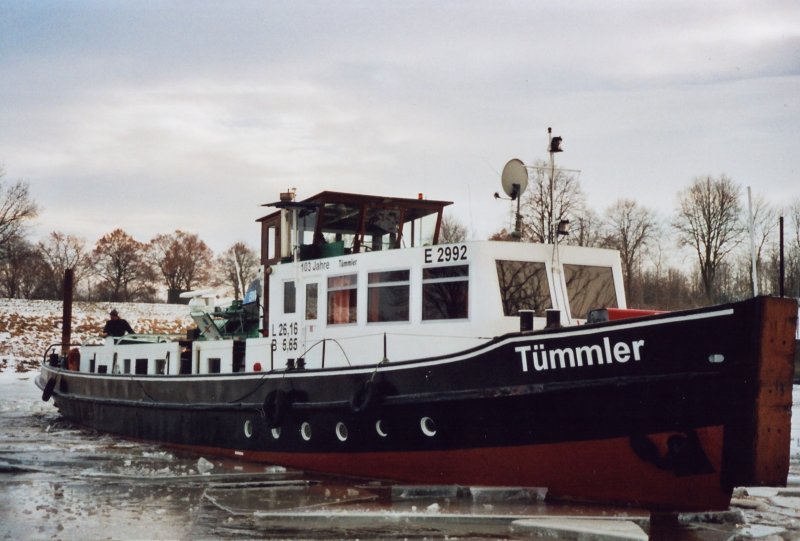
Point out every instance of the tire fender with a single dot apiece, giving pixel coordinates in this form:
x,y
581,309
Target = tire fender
x,y
48,389
365,397
276,405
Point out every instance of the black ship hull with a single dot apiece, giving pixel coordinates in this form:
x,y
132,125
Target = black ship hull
x,y
668,412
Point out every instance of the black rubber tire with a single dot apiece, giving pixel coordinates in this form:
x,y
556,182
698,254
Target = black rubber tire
x,y
48,389
365,398
276,404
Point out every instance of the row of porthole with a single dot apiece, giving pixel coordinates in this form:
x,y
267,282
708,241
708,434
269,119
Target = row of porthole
x,y
426,425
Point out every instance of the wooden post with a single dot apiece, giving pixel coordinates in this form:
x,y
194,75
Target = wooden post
x,y
66,315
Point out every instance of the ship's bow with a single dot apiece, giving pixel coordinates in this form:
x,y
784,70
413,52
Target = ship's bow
x,y
761,429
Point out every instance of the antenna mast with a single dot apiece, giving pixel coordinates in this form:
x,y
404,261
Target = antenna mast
x,y
553,146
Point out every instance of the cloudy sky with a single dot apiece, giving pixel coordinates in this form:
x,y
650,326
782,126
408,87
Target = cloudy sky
x,y
154,116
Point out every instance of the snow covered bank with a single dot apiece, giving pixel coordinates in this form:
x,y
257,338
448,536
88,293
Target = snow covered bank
x,y
28,327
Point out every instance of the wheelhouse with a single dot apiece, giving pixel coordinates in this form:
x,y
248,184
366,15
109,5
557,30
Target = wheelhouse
x,y
347,274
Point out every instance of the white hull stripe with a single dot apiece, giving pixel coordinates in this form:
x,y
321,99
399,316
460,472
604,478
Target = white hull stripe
x,y
568,332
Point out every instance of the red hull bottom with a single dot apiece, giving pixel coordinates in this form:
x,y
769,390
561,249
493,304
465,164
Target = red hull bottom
x,y
596,471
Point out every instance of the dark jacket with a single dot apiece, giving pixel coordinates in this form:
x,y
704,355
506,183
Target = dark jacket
x,y
117,327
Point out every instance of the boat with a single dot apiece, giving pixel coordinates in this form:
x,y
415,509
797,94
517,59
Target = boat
x,y
371,349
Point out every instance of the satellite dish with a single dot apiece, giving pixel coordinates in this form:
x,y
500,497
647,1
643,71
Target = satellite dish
x,y
514,178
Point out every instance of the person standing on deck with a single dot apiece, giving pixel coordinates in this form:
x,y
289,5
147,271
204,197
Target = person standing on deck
x,y
116,326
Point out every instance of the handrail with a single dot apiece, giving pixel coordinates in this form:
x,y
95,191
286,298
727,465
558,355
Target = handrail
x,y
52,347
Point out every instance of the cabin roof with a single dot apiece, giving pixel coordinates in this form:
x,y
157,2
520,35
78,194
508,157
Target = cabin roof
x,y
414,208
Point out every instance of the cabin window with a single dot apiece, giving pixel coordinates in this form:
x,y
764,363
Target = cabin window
x,y
589,288
161,366
523,286
388,296
141,366
311,301
289,297
214,365
271,234
126,366
342,299
445,292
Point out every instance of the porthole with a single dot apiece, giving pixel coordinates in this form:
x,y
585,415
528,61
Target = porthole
x,y
305,431
341,431
276,433
380,429
428,426
248,428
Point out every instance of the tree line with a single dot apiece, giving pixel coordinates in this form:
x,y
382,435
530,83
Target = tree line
x,y
118,268
700,254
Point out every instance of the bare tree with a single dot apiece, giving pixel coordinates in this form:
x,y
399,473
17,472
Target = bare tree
x,y
183,260
19,269
452,230
120,262
237,267
59,252
792,225
16,206
709,221
585,228
629,228
538,213
502,235
765,221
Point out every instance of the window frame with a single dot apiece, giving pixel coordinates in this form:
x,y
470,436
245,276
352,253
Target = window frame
x,y
573,279
466,279
289,300
510,299
316,301
378,285
352,299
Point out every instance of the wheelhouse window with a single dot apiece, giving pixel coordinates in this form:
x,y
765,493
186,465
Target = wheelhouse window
x,y
382,228
342,299
445,292
388,296
311,301
523,286
289,297
340,222
589,288
306,224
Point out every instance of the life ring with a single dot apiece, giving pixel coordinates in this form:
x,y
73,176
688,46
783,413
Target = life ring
x,y
74,360
276,405
48,389
365,397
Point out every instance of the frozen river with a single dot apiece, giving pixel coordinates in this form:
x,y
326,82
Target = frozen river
x,y
58,481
